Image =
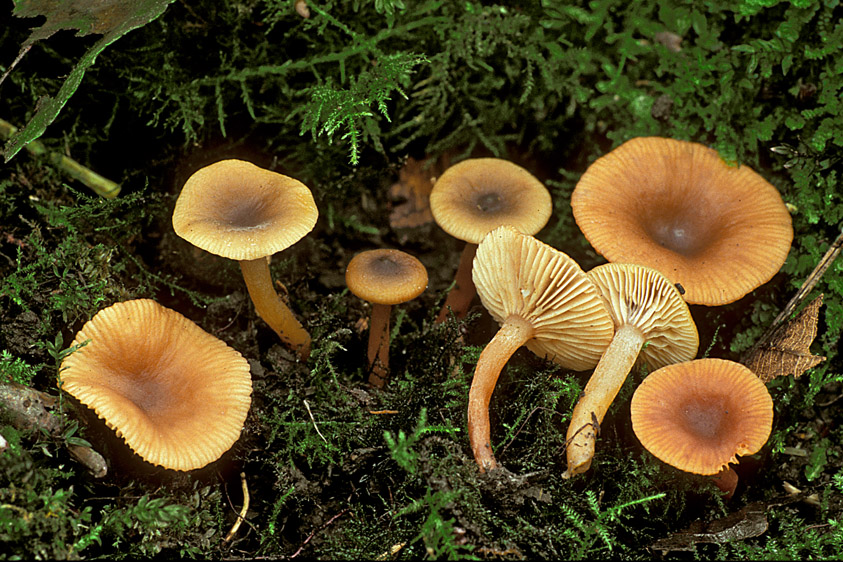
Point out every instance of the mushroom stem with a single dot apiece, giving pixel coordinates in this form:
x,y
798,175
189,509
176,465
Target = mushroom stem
x,y
460,297
514,333
605,383
727,481
271,308
379,344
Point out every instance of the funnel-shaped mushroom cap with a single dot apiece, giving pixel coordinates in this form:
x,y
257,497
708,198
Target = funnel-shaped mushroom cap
x,y
517,275
386,276
479,194
719,230
176,394
240,211
698,416
642,297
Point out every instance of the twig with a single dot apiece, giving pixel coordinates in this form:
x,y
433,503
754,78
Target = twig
x,y
306,405
379,412
102,186
807,286
307,540
242,515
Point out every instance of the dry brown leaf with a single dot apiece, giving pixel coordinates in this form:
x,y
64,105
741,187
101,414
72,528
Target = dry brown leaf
x,y
411,193
788,351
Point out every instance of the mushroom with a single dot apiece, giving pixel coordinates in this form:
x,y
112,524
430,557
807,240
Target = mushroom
x,y
177,395
645,308
698,416
240,211
718,229
384,278
475,196
543,300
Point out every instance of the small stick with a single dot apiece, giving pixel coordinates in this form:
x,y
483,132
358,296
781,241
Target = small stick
x,y
307,540
102,186
378,412
306,405
242,515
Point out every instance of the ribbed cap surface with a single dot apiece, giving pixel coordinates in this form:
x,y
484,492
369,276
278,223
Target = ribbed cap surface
x,y
176,394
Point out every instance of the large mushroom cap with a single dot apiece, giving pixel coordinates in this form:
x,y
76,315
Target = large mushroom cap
x,y
699,415
479,194
240,211
385,276
676,206
176,394
642,297
517,275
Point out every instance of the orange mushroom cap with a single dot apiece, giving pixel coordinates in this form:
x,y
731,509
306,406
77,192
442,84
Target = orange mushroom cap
x,y
241,211
177,395
676,206
386,276
477,195
700,415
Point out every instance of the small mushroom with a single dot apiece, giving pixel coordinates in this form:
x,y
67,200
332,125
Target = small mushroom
x,y
720,230
384,278
698,416
542,300
240,211
645,307
475,196
177,395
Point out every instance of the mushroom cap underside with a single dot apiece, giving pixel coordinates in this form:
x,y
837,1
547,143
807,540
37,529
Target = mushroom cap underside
x,y
642,297
517,275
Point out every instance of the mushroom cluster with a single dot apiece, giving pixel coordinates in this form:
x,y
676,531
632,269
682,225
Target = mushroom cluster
x,y
664,213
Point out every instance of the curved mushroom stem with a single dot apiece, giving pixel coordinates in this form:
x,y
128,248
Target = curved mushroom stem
x,y
605,383
460,297
379,344
272,309
514,333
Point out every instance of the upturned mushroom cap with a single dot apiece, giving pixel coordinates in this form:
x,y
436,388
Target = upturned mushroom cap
x,y
700,415
642,297
479,194
386,276
176,394
676,206
240,211
517,275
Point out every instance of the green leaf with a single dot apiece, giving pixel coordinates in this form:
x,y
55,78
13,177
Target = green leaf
x,y
110,18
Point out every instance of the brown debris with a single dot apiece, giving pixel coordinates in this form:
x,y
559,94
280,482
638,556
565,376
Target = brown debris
x,y
787,352
411,193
